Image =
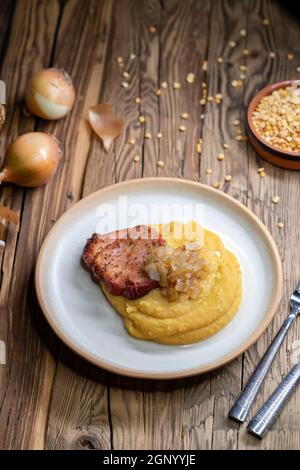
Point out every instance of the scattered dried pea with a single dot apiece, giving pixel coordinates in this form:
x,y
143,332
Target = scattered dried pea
x,y
216,184
205,66
190,77
275,199
236,83
199,146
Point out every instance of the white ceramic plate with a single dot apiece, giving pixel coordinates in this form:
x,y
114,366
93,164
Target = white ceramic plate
x,y
81,316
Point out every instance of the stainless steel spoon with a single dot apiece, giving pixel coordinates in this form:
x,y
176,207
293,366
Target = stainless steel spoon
x,y
270,411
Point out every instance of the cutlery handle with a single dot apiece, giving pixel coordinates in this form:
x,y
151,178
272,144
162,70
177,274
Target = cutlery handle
x,y
241,407
270,411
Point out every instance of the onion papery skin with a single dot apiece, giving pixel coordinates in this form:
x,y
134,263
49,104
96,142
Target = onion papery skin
x,y
31,159
50,94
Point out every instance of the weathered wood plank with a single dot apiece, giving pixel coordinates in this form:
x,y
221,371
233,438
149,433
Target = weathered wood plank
x,y
262,70
147,415
21,377
126,396
150,49
79,418
22,58
49,397
183,44
7,8
78,415
127,45
228,18
198,413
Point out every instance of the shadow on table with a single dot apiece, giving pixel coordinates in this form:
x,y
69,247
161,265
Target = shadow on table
x,y
90,372
291,6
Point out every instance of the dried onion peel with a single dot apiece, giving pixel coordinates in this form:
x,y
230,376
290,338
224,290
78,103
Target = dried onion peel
x,y
9,215
105,124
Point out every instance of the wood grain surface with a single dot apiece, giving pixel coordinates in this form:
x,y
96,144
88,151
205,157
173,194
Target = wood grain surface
x,y
49,397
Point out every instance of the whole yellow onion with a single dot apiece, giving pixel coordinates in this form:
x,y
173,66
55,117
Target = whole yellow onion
x,y
50,94
31,159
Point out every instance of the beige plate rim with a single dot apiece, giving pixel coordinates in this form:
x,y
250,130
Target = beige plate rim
x,y
187,372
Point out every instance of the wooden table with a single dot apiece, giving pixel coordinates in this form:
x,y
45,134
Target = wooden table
x,y
49,397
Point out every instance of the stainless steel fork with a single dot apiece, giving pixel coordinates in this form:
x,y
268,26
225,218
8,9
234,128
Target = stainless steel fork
x,y
241,408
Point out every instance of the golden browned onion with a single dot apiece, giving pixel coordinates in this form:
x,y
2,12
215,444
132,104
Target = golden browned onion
x,y
178,271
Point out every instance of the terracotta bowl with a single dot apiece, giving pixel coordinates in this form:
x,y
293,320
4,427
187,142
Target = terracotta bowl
x,y
282,158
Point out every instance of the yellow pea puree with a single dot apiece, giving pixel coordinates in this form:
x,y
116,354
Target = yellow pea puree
x,y
185,321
